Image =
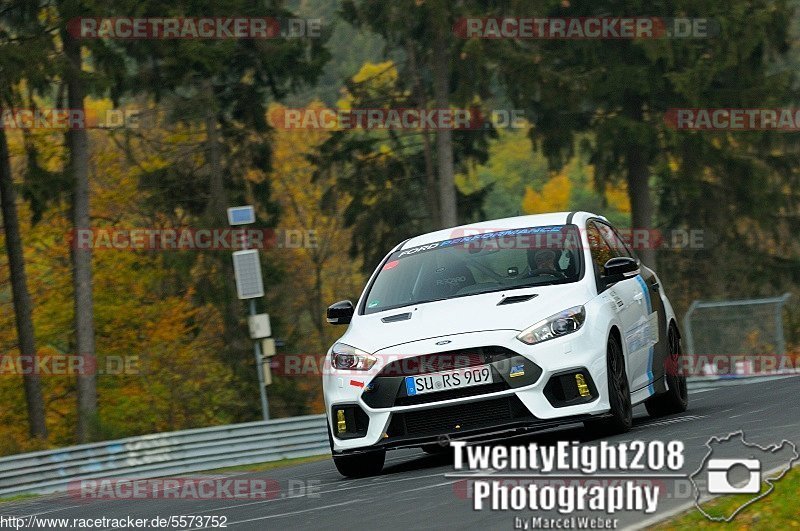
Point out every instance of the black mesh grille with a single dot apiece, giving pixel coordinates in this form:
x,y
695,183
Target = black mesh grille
x,y
460,417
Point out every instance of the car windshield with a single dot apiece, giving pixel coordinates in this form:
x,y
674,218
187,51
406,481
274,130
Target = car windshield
x,y
478,263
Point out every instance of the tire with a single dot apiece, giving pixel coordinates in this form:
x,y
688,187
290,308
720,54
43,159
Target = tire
x,y
358,465
620,418
676,398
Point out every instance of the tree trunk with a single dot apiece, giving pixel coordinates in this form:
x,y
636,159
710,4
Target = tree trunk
x,y
78,143
216,205
215,216
317,305
440,66
22,299
641,206
421,102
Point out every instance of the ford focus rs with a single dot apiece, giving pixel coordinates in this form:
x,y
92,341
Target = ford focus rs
x,y
497,328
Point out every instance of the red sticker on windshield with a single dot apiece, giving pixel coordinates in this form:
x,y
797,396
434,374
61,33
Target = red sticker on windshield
x,y
391,264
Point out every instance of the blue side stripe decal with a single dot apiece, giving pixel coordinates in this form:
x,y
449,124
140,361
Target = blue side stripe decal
x,y
651,351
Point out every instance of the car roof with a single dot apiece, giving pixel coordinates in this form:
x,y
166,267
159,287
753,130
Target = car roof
x,y
517,222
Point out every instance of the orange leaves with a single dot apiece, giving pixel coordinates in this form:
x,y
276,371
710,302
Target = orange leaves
x,y
554,196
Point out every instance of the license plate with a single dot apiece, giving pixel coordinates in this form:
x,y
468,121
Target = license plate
x,y
446,380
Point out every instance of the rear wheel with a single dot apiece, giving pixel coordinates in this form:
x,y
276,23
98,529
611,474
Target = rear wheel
x,y
358,465
620,418
676,399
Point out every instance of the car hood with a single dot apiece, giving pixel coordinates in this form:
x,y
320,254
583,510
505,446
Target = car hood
x,y
474,313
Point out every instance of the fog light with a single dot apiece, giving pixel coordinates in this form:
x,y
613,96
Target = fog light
x,y
341,425
348,421
583,389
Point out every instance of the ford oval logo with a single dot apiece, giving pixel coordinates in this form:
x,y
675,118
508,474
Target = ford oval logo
x,y
446,341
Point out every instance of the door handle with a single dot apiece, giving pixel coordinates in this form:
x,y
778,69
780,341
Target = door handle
x,y
654,286
638,297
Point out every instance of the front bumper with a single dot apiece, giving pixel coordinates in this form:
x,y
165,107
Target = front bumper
x,y
498,431
519,404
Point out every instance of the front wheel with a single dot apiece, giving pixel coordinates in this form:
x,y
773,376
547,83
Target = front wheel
x,y
676,398
358,465
620,419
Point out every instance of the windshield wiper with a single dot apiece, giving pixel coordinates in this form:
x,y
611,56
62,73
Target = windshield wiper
x,y
412,303
504,288
459,295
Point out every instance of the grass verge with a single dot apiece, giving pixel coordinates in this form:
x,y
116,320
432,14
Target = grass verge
x,y
778,510
258,467
18,497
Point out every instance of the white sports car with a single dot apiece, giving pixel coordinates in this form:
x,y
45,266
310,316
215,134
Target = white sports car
x,y
497,328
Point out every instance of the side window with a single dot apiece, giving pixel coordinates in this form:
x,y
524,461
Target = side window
x,y
600,250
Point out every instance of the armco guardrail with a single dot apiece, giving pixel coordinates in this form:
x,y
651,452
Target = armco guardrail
x,y
164,454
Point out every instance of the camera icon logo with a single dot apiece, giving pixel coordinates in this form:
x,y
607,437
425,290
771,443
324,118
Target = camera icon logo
x,y
723,472
719,481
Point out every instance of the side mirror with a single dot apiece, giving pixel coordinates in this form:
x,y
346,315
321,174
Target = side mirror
x,y
618,269
340,312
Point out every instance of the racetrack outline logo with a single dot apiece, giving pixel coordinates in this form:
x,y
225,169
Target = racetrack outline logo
x,y
768,480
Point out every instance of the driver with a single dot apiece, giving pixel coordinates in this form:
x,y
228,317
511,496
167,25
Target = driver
x,y
545,259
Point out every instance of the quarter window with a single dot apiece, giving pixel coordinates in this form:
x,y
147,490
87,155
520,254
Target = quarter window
x,y
615,243
599,248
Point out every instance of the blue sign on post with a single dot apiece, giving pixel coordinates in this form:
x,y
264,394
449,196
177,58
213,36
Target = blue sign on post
x,y
242,215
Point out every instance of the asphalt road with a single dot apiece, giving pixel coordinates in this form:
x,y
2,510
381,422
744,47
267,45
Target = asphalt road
x,y
415,491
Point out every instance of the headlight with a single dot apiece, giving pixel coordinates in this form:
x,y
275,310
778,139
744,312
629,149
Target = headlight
x,y
345,357
557,325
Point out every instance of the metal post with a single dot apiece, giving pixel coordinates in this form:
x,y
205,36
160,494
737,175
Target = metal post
x,y
262,389
779,324
687,328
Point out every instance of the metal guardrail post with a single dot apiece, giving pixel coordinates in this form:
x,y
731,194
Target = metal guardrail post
x,y
687,327
781,348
